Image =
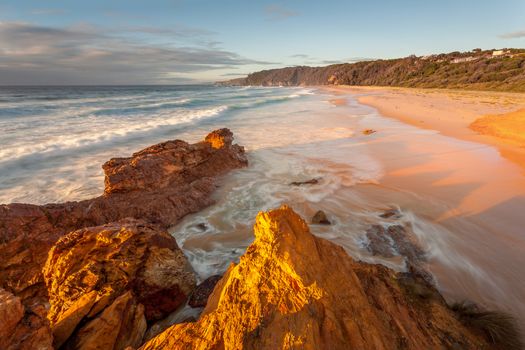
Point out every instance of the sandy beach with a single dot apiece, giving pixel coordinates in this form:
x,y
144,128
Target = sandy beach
x,y
471,186
452,113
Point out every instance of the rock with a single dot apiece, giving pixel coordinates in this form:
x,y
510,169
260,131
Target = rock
x,y
89,269
394,240
397,240
199,296
294,290
21,328
120,325
391,214
379,242
313,181
11,312
160,184
369,132
320,218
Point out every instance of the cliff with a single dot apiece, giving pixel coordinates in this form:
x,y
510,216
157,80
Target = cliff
x,y
475,70
294,290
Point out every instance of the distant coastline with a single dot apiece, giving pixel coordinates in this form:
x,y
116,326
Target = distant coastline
x,y
494,70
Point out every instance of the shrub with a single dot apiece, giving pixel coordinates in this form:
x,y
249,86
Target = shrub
x,y
500,328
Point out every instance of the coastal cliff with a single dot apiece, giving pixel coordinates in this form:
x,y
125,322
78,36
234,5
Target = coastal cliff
x,y
294,290
475,70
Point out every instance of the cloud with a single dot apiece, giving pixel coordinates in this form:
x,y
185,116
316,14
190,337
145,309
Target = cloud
x,y
48,12
300,55
276,12
513,35
82,54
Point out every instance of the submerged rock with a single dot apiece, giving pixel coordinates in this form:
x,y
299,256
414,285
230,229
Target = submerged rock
x,y
160,184
294,290
391,214
89,272
320,218
313,181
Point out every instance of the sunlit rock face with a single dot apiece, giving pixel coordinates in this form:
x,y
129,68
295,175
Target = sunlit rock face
x,y
294,290
120,274
159,184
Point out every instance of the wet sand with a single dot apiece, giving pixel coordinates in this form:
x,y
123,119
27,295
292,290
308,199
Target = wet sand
x,y
468,189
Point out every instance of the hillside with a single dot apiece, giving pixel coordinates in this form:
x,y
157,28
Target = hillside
x,y
499,70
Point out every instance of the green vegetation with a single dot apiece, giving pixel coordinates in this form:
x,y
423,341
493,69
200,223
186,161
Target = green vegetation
x,y
474,70
499,327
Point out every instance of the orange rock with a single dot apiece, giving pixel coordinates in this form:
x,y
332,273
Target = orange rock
x,y
120,325
220,138
89,269
294,290
160,184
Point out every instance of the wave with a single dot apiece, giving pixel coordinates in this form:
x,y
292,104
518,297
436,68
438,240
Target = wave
x,y
266,101
106,131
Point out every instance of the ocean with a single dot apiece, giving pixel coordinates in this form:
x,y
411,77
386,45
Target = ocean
x,y
54,140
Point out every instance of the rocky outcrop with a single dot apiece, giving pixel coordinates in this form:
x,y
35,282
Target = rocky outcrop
x,y
294,290
23,328
121,274
160,184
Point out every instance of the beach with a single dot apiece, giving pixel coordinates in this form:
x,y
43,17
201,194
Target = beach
x,y
430,155
452,113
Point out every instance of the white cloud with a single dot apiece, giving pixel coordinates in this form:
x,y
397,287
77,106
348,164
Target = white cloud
x,y
32,54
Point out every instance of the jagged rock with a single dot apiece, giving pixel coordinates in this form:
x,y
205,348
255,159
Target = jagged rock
x,y
88,269
199,296
161,184
21,328
313,181
294,290
320,218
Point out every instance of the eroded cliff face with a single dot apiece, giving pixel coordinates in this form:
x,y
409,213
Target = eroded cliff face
x,y
294,290
159,184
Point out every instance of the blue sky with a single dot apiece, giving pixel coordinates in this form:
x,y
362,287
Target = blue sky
x,y
185,41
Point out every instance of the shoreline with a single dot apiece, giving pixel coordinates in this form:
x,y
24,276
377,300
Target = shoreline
x,y
466,190
450,112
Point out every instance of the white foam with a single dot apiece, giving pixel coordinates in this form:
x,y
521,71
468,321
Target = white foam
x,y
92,131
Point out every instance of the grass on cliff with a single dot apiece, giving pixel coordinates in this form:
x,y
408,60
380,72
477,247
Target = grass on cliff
x,y
500,328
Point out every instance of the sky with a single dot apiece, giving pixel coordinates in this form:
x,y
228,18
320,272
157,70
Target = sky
x,y
63,42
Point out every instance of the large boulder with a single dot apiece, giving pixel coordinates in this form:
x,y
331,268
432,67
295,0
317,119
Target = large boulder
x,y
294,290
160,184
120,274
